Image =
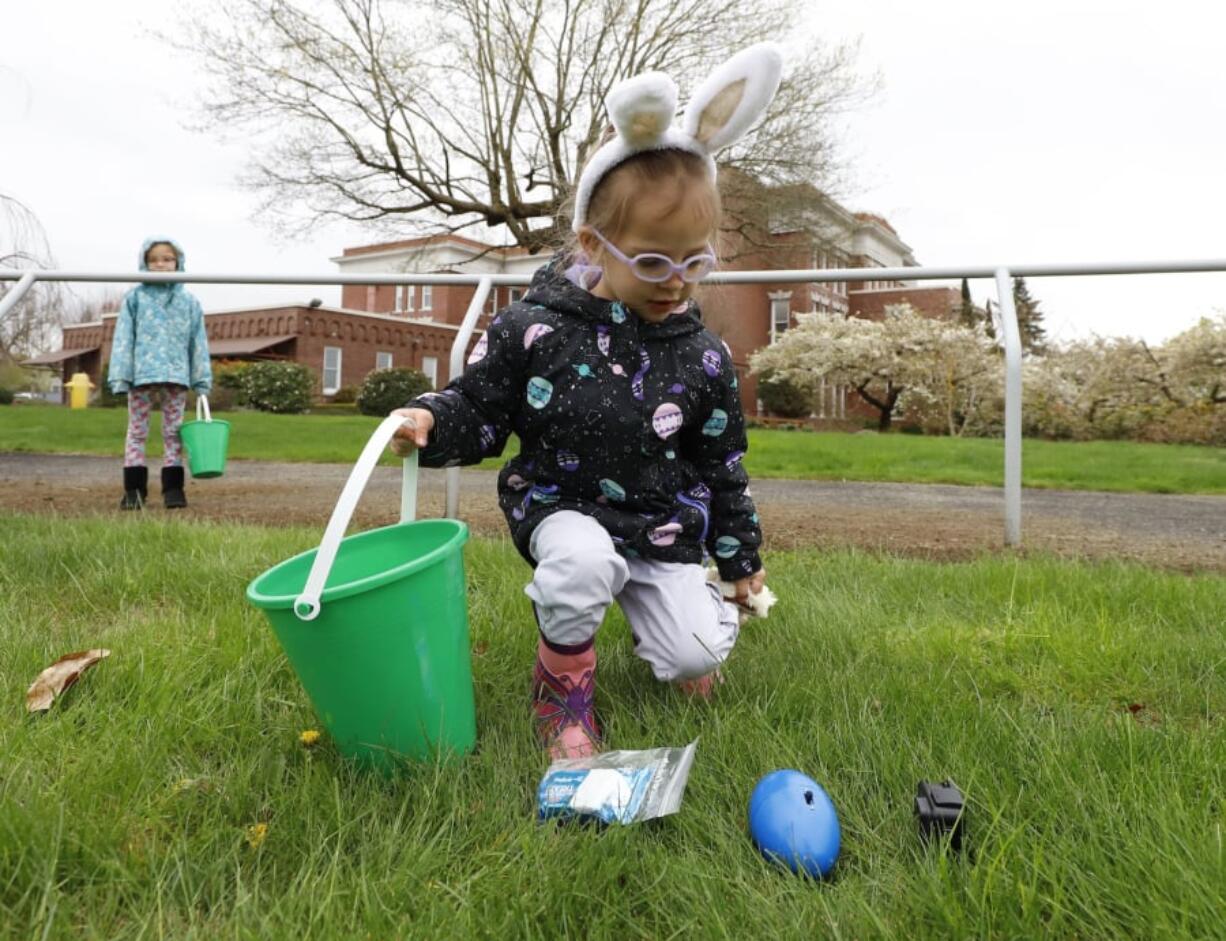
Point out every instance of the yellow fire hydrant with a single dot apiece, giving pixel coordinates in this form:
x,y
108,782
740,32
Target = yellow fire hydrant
x,y
80,387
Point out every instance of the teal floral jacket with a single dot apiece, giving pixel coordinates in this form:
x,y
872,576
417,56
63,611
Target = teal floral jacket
x,y
160,336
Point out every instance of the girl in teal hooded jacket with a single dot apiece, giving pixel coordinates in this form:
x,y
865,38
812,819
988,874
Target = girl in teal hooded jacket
x,y
159,351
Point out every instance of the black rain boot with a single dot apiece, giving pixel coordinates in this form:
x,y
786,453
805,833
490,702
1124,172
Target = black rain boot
x,y
172,488
135,488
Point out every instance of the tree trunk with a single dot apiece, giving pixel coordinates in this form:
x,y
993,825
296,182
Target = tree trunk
x,y
885,409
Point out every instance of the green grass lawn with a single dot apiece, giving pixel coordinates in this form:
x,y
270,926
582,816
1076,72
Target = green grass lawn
x,y
1095,465
1080,707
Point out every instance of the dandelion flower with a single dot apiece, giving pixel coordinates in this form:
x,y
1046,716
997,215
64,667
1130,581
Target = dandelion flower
x,y
257,833
309,737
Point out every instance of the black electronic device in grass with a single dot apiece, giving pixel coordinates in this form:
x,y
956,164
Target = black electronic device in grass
x,y
941,810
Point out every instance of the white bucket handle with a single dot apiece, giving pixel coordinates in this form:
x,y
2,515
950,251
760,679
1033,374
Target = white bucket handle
x,y
306,605
202,404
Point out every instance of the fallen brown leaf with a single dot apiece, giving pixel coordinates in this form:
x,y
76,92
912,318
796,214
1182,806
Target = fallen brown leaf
x,y
59,676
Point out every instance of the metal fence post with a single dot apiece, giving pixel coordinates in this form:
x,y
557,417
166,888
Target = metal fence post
x,y
455,367
1013,408
18,291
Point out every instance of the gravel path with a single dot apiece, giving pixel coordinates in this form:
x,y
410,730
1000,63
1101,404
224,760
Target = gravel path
x,y
936,521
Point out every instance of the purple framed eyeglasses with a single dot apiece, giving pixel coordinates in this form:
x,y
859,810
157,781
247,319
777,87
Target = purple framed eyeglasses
x,y
657,268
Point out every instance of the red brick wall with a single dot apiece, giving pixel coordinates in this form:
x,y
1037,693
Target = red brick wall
x,y
938,302
376,298
740,313
360,338
448,302
266,322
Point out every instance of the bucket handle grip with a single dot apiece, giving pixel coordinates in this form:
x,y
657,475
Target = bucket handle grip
x,y
306,605
202,405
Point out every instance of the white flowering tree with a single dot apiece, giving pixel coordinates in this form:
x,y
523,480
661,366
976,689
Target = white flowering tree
x,y
1090,388
1196,359
939,370
1120,387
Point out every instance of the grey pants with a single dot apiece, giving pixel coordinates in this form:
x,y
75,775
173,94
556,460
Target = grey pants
x,y
681,625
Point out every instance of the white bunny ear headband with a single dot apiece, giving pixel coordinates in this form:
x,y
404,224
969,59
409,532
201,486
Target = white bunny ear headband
x,y
723,108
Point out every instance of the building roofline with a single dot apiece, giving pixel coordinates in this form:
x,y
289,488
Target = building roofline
x,y
858,221
345,311
876,222
908,287
473,246
303,307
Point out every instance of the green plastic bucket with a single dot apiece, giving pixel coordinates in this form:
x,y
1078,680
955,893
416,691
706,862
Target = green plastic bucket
x,y
376,627
206,440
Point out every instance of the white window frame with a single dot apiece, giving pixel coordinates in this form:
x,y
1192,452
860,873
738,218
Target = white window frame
x,y
778,297
380,356
429,369
331,390
427,297
515,294
405,296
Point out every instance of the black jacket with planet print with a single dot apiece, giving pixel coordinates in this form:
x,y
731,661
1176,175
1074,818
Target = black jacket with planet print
x,y
636,424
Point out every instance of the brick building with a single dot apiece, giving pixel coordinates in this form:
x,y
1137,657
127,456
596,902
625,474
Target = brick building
x,y
341,345
746,316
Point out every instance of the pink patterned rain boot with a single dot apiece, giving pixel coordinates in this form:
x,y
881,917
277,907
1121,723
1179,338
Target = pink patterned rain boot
x,y
563,689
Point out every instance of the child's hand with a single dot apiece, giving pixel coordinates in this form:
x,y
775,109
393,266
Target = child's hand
x,y
412,434
750,586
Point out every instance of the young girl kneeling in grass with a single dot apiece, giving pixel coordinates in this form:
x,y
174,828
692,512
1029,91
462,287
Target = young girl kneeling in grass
x,y
626,407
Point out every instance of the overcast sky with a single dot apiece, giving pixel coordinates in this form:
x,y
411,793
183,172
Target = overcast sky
x,y
1043,131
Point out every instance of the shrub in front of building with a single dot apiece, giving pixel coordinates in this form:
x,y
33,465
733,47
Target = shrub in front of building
x,y
103,396
388,389
228,385
345,395
6,396
279,387
781,398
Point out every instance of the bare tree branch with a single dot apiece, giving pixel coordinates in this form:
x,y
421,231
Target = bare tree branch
x,y
441,116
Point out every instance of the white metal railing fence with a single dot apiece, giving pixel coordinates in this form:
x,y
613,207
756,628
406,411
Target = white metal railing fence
x,y
1002,274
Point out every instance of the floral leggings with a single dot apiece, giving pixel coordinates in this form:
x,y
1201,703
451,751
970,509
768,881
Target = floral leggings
x,y
141,400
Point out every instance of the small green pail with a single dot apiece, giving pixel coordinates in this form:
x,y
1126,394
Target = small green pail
x,y
206,440
376,627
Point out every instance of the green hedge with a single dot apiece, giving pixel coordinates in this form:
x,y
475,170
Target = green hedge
x,y
782,398
388,389
104,397
284,388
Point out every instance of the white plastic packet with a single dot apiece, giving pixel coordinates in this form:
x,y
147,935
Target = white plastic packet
x,y
616,786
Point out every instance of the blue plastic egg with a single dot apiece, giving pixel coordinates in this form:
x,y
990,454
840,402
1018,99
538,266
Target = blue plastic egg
x,y
793,823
